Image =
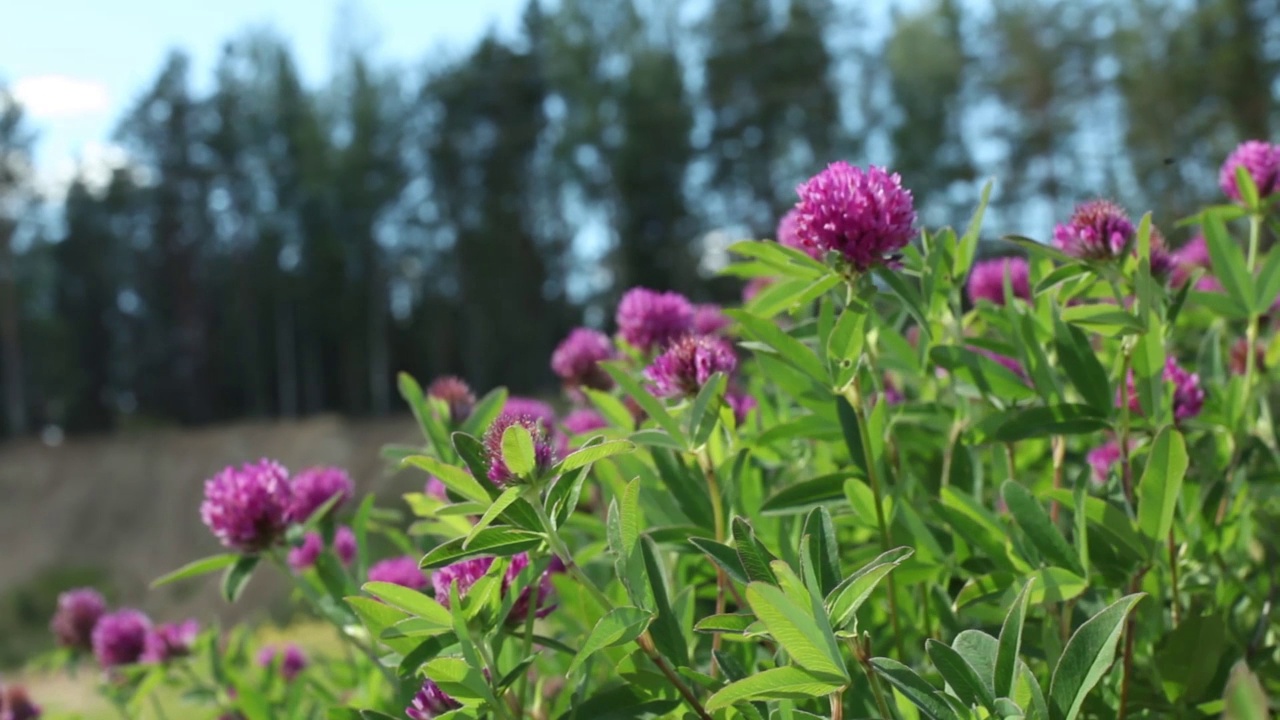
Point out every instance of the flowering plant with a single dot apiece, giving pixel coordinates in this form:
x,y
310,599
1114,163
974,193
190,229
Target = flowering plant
x,y
897,483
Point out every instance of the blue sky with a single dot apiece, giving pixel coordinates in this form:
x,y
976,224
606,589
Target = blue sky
x,y
75,65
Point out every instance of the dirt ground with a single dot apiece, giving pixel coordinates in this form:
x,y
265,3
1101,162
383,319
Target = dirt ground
x,y
129,503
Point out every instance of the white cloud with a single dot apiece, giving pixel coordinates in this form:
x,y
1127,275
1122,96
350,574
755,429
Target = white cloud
x,y
52,97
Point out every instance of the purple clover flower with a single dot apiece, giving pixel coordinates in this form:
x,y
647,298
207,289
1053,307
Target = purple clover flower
x,y
709,319
304,556
344,544
436,488
650,320
865,215
292,661
789,235
986,280
583,421
536,409
402,571
315,486
15,704
1007,362
1098,230
170,641
465,573
689,363
754,286
1163,262
577,359
1102,459
78,612
1188,396
120,638
544,445
247,508
456,394
430,702
1261,160
741,403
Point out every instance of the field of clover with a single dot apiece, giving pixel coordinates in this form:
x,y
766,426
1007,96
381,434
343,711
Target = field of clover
x,y
895,483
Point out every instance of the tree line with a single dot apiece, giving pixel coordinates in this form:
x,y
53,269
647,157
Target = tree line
x,y
277,249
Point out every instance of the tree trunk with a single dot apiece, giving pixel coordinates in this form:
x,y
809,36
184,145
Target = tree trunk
x,y
15,409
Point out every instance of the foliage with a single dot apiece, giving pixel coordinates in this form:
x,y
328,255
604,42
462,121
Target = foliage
x,y
892,506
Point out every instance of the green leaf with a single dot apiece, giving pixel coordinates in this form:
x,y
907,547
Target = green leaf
x,y
418,403
1010,643
968,246
1103,318
795,630
978,650
611,408
486,410
517,450
593,453
1081,365
914,688
843,602
1161,485
1244,698
806,494
1111,520
1088,654
1228,262
981,372
1051,584
621,702
500,541
824,549
619,625
776,683
788,348
458,678
237,575
722,555
706,409
1039,528
668,636
725,622
1268,284
410,601
454,478
909,295
196,568
508,496
960,675
647,402
1045,421
1187,658
754,556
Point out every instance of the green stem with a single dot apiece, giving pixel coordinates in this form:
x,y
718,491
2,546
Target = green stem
x,y
155,703
717,511
837,705
877,691
1255,235
873,477
526,649
500,705
309,593
558,547
1126,477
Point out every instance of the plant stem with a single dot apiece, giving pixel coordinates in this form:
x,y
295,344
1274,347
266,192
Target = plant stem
x,y
837,705
647,645
309,593
558,547
1129,626
1059,452
877,691
529,617
1255,234
717,510
864,436
499,705
1175,608
1126,477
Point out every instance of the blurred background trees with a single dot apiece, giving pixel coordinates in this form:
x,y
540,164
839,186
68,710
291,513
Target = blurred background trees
x,y
272,249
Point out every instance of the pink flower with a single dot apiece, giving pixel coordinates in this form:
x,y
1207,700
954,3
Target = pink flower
x,y
865,215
